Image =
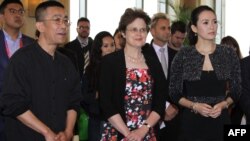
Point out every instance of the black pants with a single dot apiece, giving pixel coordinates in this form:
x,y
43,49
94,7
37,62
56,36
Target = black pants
x,y
172,130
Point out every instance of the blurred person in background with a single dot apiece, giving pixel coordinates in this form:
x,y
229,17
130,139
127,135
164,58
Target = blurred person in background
x,y
178,35
168,129
103,44
11,39
119,40
236,112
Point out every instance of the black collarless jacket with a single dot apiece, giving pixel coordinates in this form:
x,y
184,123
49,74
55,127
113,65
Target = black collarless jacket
x,y
4,59
113,82
187,65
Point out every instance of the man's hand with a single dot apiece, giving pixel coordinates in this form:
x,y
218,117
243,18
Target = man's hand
x,y
61,136
50,136
64,136
170,112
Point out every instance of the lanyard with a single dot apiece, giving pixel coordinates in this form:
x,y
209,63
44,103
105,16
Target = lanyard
x,y
8,50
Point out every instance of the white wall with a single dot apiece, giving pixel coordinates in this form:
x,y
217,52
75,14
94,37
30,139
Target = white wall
x,y
74,16
105,14
237,23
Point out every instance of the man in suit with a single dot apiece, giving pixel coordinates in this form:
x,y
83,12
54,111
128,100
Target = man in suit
x,y
11,38
160,30
245,96
82,44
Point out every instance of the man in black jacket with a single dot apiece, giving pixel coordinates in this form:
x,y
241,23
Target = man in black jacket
x,y
82,44
11,38
160,30
245,96
81,47
41,89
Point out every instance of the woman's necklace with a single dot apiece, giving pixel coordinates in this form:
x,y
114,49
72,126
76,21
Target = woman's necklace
x,y
135,60
206,52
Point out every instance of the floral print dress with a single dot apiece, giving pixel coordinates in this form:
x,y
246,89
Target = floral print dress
x,y
137,103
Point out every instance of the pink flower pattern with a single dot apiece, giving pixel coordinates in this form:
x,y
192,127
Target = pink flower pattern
x,y
137,103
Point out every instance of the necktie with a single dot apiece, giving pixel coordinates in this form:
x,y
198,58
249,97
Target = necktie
x,y
84,44
86,61
164,61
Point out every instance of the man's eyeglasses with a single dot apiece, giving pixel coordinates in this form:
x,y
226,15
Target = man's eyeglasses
x,y
83,27
14,11
59,21
137,30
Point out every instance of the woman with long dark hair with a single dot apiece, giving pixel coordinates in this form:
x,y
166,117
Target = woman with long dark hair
x,y
198,80
103,44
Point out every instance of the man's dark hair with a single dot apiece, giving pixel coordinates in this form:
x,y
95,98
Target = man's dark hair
x,y
178,26
39,13
83,19
6,2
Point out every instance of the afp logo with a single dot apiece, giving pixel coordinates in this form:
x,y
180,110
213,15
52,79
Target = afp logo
x,y
236,132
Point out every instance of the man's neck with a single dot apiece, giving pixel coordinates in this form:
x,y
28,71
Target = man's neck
x,y
49,48
82,39
159,43
13,33
173,47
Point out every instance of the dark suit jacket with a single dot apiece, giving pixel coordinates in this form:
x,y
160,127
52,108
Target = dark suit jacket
x,y
75,46
113,82
4,59
149,50
70,54
245,96
171,130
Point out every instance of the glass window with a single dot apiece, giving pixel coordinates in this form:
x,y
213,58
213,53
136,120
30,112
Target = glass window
x,y
105,14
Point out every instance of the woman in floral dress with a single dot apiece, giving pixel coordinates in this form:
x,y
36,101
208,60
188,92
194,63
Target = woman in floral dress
x,y
131,85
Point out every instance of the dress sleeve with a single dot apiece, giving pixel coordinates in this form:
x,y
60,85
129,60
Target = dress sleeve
x,y
176,78
105,88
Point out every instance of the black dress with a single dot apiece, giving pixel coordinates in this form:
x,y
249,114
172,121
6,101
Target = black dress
x,y
196,127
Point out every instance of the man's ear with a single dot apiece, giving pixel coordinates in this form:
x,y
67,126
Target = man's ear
x,y
152,31
40,27
1,19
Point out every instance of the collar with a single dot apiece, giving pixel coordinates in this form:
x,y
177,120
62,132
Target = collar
x,y
157,47
83,41
8,37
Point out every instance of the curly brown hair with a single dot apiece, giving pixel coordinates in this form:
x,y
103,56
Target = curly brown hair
x,y
130,15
